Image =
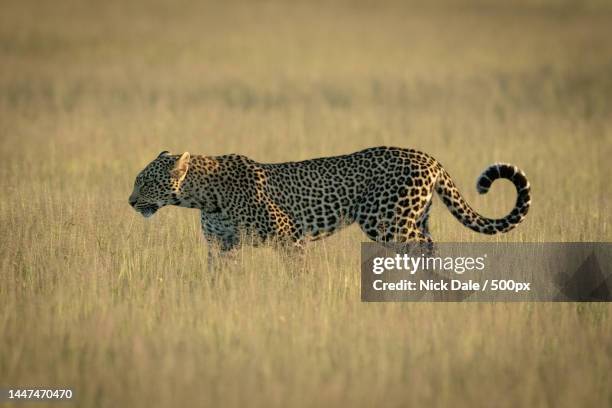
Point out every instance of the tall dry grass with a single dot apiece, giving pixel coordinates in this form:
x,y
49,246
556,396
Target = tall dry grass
x,y
122,310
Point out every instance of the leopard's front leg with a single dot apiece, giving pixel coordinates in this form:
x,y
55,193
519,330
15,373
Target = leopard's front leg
x,y
222,237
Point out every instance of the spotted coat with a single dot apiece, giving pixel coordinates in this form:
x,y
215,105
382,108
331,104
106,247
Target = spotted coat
x,y
387,191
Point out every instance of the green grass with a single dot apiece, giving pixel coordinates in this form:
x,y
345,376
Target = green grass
x,y
123,310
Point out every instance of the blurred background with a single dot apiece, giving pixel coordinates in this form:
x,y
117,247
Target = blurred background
x,y
123,310
101,88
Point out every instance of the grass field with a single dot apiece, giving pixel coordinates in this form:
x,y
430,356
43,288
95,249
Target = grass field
x,y
122,309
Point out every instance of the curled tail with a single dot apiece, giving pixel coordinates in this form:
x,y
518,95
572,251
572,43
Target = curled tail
x,y
448,192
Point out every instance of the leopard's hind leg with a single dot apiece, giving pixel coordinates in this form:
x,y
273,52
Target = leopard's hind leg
x,y
423,221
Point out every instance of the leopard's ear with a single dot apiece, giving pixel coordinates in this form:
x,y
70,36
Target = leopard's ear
x,y
179,171
164,153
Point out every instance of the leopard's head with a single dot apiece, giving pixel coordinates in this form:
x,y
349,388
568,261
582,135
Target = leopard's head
x,y
159,183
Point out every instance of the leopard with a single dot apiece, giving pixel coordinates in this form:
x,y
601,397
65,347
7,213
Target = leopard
x,y
387,191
